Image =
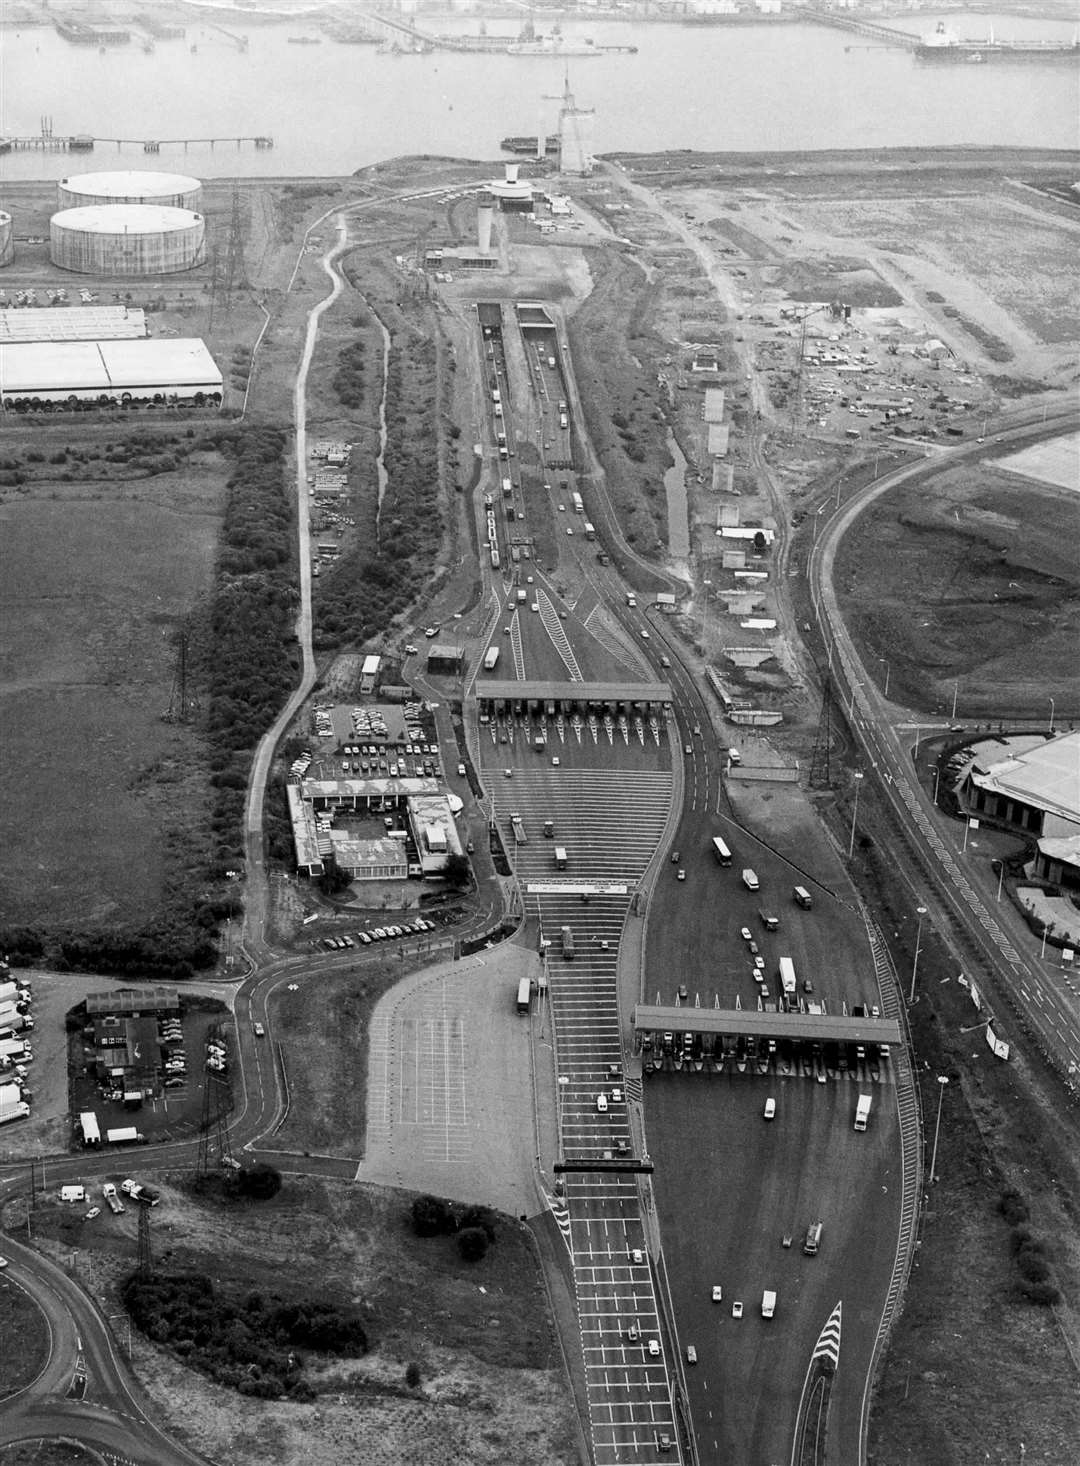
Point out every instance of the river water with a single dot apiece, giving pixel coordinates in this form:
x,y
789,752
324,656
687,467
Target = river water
x,y
333,107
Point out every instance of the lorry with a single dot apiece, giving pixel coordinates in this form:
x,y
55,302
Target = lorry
x,y
524,995
112,1201
590,530
15,1022
518,827
491,659
750,880
11,1051
862,1111
578,502
568,943
138,1192
768,1303
9,992
786,973
125,1135
20,1110
802,897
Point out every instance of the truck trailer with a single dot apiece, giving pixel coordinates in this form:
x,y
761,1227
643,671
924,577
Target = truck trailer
x,y
862,1111
20,1110
88,1124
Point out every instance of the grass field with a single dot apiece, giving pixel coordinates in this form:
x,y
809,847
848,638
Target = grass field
x,y
94,580
972,583
492,1387
24,1339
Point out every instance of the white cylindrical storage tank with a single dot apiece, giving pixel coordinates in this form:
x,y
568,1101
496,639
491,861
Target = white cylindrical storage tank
x,y
484,210
7,239
127,239
137,186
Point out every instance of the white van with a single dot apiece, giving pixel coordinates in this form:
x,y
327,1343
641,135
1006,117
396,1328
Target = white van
x,y
770,1108
750,880
73,1193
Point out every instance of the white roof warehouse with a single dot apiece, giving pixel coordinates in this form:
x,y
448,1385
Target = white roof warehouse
x,y
143,369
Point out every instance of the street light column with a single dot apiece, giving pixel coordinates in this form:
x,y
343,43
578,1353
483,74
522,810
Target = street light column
x,y
854,813
942,1080
921,910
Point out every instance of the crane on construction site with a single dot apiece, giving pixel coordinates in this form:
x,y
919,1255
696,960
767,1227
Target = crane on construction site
x,y
570,113
839,311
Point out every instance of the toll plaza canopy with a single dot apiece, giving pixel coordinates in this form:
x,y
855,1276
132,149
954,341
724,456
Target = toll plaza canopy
x,y
557,697
752,1022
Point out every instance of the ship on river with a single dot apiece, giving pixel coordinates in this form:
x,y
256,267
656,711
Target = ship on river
x,y
944,46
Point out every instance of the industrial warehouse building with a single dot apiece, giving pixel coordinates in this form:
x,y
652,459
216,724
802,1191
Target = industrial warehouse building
x,y
72,374
1036,791
134,186
127,239
62,323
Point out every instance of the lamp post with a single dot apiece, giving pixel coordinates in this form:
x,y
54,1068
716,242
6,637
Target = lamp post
x,y
1051,717
705,607
921,910
888,669
942,1080
955,694
854,813
937,777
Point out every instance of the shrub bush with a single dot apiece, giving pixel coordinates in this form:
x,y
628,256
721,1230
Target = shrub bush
x,y
472,1243
432,1217
1045,1295
1013,1207
412,1375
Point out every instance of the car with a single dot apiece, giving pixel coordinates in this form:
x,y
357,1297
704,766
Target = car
x,y
875,1011
461,770
717,1293
675,857
644,634
681,876
3,1262
654,1348
754,948
683,993
95,1211
555,762
508,773
807,985
785,1240
665,661
616,1096
759,963
736,1309
636,1255
746,934
431,632
633,1333
688,748
260,1031
364,938
601,1103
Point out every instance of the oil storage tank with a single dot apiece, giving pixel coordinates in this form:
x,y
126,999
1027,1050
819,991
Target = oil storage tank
x,y
127,239
136,186
7,239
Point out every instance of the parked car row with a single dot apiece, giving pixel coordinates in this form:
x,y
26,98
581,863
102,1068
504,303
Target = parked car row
x,y
379,934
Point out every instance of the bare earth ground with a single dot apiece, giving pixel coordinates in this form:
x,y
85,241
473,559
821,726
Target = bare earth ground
x,y
977,585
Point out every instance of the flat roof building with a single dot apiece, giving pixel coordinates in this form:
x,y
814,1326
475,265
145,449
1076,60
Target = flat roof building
x,y
434,832
1037,791
108,372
